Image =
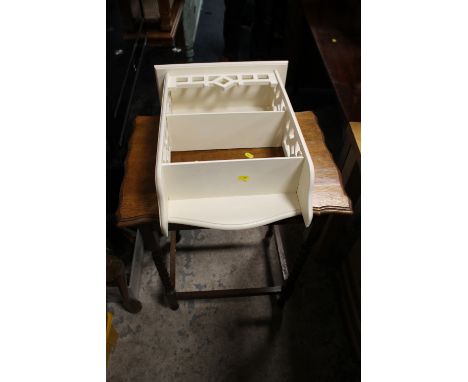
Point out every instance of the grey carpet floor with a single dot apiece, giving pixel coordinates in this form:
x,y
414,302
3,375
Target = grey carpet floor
x,y
237,339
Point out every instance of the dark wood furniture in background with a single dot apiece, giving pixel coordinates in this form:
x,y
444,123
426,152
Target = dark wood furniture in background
x,y
336,28
160,32
350,274
138,206
325,55
166,23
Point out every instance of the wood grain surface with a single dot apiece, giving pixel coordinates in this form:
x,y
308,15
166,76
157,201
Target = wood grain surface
x,y
138,202
226,154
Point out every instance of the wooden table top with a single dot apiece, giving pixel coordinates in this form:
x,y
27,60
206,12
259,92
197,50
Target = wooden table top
x,y
138,201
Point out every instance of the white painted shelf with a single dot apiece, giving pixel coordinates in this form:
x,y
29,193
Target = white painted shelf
x,y
234,212
228,106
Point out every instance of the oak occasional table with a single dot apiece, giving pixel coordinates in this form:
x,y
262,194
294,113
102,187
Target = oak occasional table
x,y
138,206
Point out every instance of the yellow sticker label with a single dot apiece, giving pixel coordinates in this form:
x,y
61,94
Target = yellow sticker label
x,y
243,178
249,155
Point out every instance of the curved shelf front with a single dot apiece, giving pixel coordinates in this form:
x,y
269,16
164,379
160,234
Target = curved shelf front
x,y
234,212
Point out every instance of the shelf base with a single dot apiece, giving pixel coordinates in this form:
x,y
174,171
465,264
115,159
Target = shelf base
x,y
234,212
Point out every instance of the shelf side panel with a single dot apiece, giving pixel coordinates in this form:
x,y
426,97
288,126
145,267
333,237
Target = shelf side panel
x,y
296,139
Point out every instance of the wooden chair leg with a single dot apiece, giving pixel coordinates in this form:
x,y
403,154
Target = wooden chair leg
x,y
151,243
116,273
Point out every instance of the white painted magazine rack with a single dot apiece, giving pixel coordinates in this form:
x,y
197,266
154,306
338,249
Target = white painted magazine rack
x,y
224,106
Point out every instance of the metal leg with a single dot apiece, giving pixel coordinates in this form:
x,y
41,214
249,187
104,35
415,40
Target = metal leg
x,y
151,243
306,248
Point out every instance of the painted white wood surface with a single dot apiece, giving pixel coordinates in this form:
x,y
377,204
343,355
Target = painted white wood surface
x,y
234,212
162,153
233,177
210,131
230,105
219,68
216,99
306,181
225,80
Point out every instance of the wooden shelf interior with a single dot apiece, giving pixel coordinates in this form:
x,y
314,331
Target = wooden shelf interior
x,y
226,154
